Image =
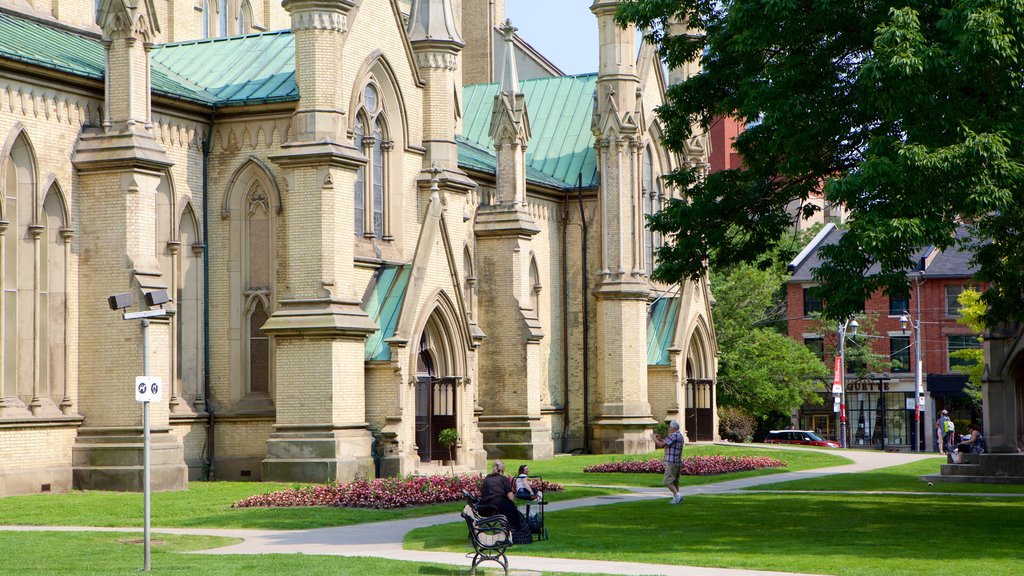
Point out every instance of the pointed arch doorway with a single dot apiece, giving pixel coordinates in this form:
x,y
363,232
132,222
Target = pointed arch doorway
x,y
436,389
700,391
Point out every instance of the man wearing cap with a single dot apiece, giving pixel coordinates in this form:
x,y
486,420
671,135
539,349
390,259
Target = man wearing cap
x,y
941,434
673,445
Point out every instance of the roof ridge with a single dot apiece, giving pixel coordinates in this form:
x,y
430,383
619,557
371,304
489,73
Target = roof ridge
x,y
544,79
220,39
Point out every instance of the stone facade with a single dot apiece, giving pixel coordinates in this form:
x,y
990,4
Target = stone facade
x,y
344,283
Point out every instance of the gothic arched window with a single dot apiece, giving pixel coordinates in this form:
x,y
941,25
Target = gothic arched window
x,y
649,193
371,191
204,17
222,17
189,275
244,18
258,262
535,288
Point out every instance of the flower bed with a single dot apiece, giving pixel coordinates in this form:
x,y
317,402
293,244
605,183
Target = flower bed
x,y
385,493
693,466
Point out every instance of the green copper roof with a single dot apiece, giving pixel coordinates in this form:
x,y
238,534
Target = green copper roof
x,y
34,43
382,303
254,69
560,112
475,157
661,329
225,71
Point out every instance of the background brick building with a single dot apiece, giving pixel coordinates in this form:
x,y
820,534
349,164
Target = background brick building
x,y
887,416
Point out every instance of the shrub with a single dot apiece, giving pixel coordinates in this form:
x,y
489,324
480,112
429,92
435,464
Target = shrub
x,y
693,466
735,424
384,493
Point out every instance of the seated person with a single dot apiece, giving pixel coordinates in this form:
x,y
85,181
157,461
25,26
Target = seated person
x,y
973,443
496,491
523,488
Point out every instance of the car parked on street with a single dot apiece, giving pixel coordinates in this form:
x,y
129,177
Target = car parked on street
x,y
802,437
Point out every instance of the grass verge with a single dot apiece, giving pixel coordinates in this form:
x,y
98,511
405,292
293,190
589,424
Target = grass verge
x,y
902,478
208,505
846,535
569,469
105,554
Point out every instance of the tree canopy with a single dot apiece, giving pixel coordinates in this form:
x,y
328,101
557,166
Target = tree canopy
x,y
760,369
908,112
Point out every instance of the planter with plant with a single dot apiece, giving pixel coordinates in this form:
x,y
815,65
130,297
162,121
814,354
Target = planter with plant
x,y
448,438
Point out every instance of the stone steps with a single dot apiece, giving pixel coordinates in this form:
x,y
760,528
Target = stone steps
x,y
983,468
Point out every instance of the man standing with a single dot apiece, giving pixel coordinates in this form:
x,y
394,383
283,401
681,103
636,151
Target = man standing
x,y
673,445
942,431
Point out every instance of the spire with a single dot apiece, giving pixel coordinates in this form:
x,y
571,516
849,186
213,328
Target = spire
x,y
434,21
128,18
509,72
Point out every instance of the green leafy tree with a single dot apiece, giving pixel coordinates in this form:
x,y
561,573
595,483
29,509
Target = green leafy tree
x,y
972,314
908,112
761,370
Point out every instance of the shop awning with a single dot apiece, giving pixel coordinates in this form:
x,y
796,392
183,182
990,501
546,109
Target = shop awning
x,y
947,384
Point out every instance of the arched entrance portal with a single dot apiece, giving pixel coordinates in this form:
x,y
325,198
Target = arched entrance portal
x,y
700,392
436,387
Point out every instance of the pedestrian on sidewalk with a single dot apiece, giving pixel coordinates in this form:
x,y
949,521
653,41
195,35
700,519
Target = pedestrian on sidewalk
x,y
943,432
673,445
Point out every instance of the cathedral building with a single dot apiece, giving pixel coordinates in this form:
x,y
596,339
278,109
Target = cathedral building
x,y
375,220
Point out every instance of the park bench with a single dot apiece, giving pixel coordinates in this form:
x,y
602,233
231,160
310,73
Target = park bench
x,y
490,535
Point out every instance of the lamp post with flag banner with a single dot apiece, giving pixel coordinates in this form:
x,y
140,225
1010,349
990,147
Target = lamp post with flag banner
x,y
839,379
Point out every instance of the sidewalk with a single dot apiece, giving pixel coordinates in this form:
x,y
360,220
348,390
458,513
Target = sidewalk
x,y
384,539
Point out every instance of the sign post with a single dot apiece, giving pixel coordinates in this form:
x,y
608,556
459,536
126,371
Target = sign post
x,y
147,389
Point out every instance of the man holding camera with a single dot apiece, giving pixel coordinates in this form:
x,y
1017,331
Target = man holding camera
x,y
673,445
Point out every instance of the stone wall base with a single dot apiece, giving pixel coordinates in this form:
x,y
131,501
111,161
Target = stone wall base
x,y
318,456
113,460
516,437
622,435
35,481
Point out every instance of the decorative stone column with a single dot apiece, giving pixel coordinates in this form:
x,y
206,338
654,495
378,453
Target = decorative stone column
x,y
319,331
510,371
119,168
623,421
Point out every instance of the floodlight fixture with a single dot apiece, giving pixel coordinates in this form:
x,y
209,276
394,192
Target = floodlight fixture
x,y
120,301
157,298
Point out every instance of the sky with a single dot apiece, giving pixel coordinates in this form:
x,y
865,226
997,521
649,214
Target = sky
x,y
564,31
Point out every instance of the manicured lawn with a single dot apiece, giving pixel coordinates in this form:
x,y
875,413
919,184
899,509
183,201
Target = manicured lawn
x,y
95,554
902,478
208,505
569,469
855,535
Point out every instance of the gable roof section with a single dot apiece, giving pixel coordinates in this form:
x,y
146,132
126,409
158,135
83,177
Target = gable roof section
x,y
560,110
234,70
950,263
382,303
662,315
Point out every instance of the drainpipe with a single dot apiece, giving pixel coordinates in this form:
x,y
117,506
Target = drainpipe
x,y
210,418
586,316
565,329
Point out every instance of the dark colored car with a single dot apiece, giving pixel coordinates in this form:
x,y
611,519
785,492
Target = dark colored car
x,y
803,437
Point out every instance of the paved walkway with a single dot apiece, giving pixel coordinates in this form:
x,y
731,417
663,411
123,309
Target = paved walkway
x,y
384,539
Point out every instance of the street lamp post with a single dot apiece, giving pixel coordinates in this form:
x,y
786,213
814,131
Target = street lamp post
x,y
849,325
915,325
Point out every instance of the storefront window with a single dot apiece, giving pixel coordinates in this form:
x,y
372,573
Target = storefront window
x,y
880,420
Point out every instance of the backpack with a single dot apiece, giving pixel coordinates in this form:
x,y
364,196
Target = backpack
x,y
948,426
